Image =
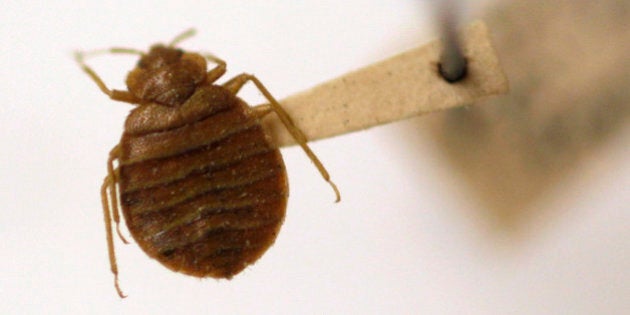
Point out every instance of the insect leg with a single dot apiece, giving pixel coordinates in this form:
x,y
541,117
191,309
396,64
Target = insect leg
x,y
262,110
217,71
113,196
237,82
109,235
117,95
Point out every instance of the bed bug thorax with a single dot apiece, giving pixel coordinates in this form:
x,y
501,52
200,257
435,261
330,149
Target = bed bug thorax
x,y
201,187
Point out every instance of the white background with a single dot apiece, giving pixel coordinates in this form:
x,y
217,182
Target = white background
x,y
406,239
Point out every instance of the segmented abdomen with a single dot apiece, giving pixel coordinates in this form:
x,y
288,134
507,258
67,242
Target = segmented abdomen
x,y
204,196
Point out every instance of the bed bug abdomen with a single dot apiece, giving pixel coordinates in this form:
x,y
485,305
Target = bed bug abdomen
x,y
203,191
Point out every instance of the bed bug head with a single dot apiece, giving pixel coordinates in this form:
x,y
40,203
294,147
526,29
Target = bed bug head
x,y
166,75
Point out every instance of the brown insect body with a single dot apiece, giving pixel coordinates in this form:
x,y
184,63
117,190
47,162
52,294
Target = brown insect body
x,y
202,189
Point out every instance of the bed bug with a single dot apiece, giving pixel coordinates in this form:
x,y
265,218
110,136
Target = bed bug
x,y
201,187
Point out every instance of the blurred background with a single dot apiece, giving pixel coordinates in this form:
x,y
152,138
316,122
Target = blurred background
x,y
516,205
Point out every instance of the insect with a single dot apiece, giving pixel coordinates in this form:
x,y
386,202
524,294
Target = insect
x,y
201,187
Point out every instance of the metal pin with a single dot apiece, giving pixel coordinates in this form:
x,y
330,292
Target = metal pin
x,y
452,66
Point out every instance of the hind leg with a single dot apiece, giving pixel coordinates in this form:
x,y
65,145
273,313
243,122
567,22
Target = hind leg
x,y
110,211
236,83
